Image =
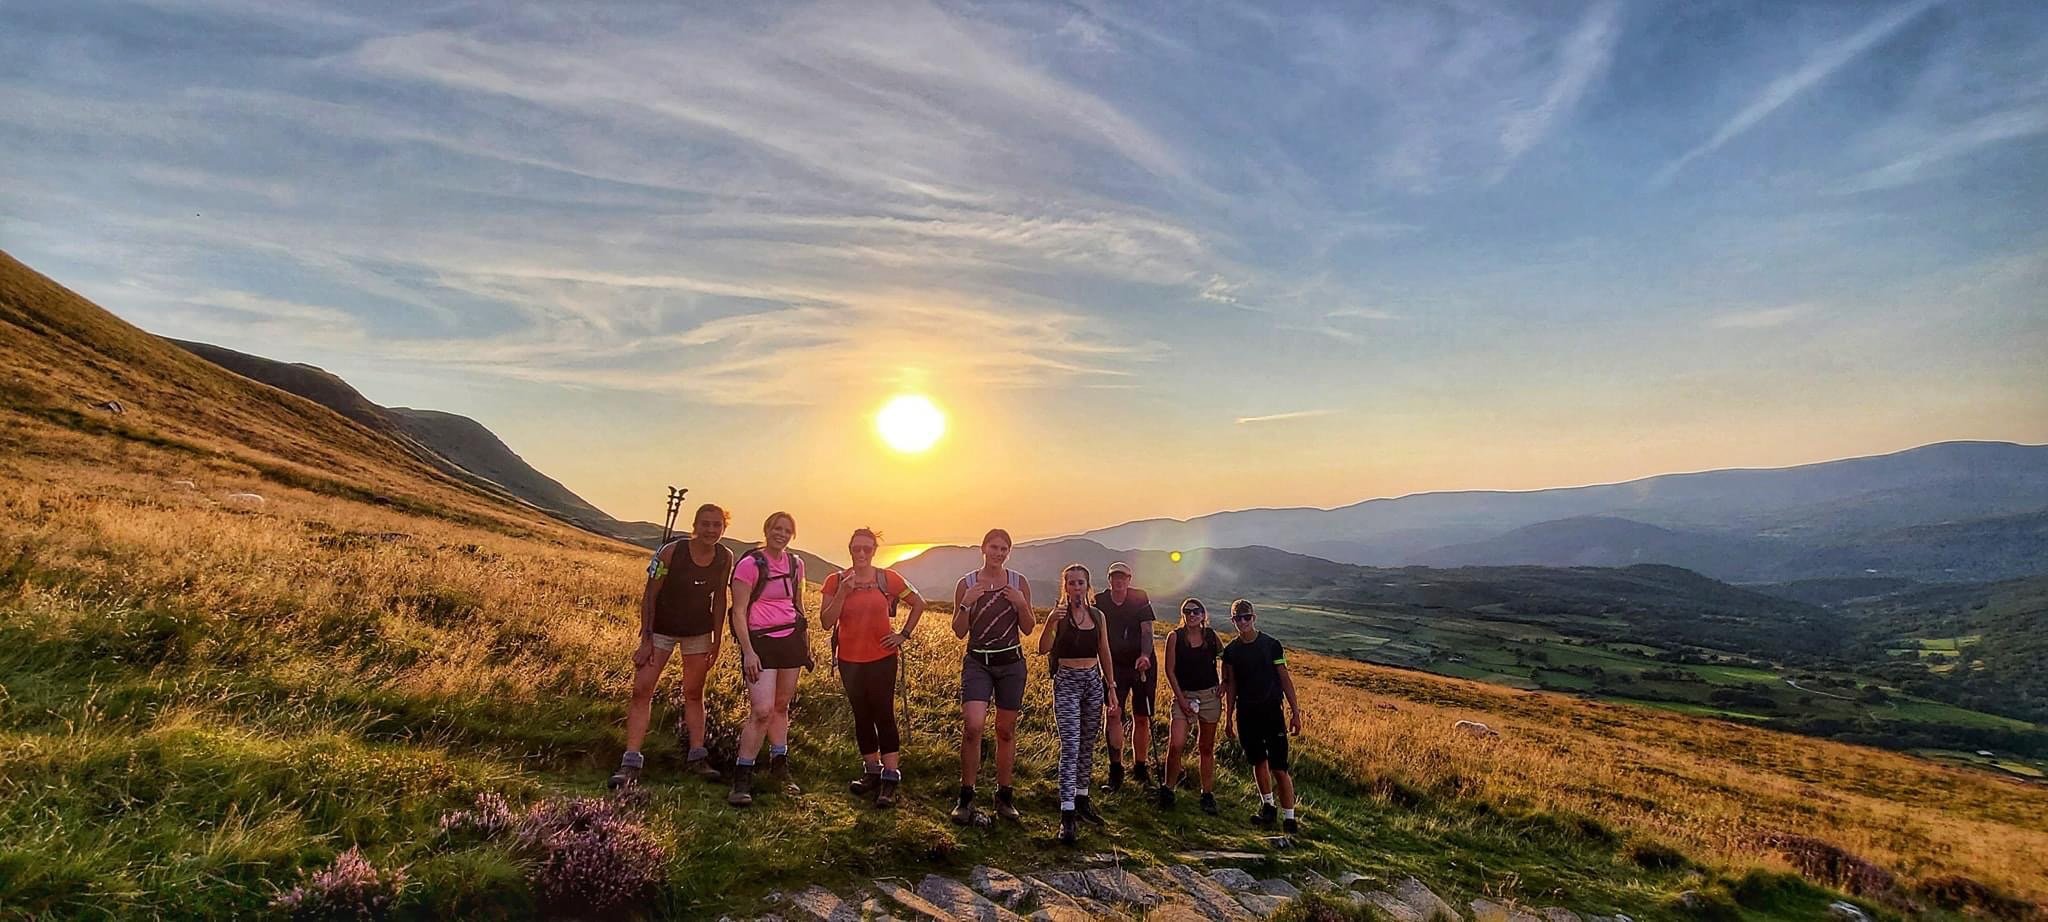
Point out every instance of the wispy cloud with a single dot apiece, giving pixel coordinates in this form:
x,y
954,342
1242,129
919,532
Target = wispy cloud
x,y
1280,417
1791,85
1951,143
1762,318
1583,58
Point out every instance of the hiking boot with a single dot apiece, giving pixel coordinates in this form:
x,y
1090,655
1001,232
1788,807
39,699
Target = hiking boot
x,y
1006,804
626,775
1165,797
1116,778
885,792
1070,828
1143,774
702,769
1266,815
963,810
867,784
742,786
778,770
1290,825
1209,803
1087,810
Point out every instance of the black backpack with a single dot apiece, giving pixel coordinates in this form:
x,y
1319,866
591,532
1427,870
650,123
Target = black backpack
x,y
795,576
882,586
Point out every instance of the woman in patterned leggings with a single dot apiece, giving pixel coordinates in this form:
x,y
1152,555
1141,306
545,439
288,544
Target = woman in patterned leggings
x,y
1083,687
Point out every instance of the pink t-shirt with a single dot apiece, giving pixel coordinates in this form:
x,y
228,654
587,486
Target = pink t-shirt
x,y
775,610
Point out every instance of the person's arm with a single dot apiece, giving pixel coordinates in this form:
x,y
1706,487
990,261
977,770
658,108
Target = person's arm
x,y
1027,620
657,574
750,664
1053,619
833,595
1145,622
1102,661
1229,700
902,637
1180,698
1293,708
960,608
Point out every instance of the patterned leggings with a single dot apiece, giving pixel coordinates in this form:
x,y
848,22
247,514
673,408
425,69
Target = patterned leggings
x,y
1077,713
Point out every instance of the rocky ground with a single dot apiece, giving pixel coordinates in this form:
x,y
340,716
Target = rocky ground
x,y
1207,887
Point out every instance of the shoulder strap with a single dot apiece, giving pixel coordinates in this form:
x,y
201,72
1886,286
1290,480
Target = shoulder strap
x,y
1015,577
760,559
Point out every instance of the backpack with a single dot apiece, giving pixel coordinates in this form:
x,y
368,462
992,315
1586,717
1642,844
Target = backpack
x,y
882,575
795,576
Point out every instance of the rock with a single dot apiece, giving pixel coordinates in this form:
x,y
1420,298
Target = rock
x,y
184,485
1260,905
1236,879
1110,885
1617,917
1203,895
1490,911
1475,728
1280,888
1214,857
111,406
1050,898
959,901
1062,914
816,902
874,910
249,500
1691,900
1350,880
1316,883
999,885
916,906
1847,912
1391,906
1433,908
1559,914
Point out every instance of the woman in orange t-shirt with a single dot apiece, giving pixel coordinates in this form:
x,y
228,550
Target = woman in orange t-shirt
x,y
860,604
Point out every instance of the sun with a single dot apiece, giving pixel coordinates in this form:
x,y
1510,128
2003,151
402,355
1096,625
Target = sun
x,y
910,423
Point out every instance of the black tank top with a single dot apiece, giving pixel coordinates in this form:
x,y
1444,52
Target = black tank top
x,y
1195,667
1070,642
693,599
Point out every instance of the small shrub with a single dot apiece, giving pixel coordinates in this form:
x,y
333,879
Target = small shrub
x,y
1319,907
1830,864
584,854
1959,893
351,888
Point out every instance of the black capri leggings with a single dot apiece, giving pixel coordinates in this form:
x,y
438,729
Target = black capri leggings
x,y
871,690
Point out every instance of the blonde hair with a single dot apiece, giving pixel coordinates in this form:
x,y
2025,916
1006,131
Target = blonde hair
x,y
1084,575
770,523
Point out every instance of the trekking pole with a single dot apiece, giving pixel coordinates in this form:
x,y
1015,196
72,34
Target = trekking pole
x,y
675,505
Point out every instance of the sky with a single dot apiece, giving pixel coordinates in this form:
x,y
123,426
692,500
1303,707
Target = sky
x,y
1151,259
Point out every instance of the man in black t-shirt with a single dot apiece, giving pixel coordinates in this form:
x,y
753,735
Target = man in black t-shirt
x,y
1129,614
1255,681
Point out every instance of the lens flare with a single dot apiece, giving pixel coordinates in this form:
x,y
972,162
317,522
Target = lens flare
x,y
911,423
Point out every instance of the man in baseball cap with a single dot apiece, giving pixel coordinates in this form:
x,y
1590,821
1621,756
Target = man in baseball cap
x,y
1129,615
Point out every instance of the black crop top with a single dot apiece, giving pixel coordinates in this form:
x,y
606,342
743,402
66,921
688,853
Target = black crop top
x,y
1070,642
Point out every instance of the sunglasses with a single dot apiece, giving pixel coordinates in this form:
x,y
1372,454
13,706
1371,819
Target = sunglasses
x,y
1241,617
1194,611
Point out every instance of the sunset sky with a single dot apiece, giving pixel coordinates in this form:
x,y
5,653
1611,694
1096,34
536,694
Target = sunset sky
x,y
1148,261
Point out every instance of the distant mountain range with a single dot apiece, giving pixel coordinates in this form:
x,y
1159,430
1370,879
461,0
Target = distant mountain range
x,y
1948,512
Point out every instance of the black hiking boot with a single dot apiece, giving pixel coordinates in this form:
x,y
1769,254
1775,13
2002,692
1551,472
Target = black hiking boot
x,y
1116,778
778,771
1209,803
1070,828
1290,825
1165,797
1087,810
885,792
963,810
868,784
627,775
742,786
1006,804
1266,815
702,769
1143,774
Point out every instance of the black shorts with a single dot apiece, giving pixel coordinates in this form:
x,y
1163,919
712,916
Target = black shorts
x,y
790,651
999,678
1136,692
1262,731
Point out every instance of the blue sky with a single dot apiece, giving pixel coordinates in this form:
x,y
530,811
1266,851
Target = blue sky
x,y
1154,259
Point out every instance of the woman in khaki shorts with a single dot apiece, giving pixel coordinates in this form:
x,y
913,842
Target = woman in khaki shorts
x,y
680,612
1191,652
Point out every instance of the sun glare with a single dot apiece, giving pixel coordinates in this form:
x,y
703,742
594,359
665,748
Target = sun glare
x,y
910,423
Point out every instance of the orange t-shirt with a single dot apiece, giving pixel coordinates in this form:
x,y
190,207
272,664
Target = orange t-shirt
x,y
864,617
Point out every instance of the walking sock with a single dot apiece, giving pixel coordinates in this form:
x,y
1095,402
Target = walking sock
x,y
1267,799
633,759
775,750
890,774
743,762
1287,814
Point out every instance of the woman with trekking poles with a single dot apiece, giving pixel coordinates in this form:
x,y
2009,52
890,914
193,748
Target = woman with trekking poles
x,y
774,640
859,608
680,611
1083,687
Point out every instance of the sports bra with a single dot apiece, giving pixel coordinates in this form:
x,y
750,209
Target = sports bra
x,y
1079,642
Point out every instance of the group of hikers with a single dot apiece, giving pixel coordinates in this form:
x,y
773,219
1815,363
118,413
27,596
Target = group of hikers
x,y
1099,648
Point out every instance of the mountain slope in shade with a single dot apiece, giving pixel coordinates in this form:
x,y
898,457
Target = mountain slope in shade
x,y
1605,541
478,450
1817,505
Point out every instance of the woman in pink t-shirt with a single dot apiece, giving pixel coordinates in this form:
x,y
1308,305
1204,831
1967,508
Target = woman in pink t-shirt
x,y
768,622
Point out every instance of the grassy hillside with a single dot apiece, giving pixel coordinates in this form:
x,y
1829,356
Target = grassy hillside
x,y
201,699
1980,646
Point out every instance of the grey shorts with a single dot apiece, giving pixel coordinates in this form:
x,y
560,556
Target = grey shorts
x,y
1002,683
688,645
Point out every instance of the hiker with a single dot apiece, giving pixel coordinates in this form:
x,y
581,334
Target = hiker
x,y
992,610
1129,619
1255,679
768,622
1083,686
1191,653
680,610
859,607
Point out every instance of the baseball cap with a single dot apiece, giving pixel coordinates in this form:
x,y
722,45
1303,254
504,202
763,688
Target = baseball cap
x,y
1119,567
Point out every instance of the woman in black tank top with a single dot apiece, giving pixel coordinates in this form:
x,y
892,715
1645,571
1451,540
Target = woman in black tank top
x,y
680,608
1083,688
1191,653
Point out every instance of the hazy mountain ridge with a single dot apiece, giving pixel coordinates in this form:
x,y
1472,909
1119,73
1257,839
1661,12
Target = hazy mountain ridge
x,y
1718,521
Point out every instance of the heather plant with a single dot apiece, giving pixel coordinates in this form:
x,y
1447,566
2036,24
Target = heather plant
x,y
584,854
350,888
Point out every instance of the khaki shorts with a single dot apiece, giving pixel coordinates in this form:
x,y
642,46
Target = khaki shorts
x,y
1208,704
690,645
